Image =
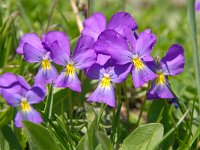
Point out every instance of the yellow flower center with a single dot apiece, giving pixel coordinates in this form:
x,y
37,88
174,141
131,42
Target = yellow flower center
x,y
105,82
160,78
138,63
25,105
46,64
70,70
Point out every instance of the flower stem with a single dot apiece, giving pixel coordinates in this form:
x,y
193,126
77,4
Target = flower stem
x,y
50,15
90,7
70,106
127,104
141,111
62,111
118,115
103,106
21,67
77,16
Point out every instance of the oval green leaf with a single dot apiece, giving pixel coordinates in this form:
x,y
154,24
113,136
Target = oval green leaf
x,y
145,137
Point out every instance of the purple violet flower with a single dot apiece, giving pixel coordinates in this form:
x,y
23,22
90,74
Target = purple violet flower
x,y
197,5
33,50
172,64
131,53
96,24
83,57
23,98
12,83
106,75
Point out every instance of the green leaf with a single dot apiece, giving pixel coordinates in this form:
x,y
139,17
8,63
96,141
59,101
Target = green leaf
x,y
99,147
91,134
3,143
159,112
104,140
11,138
39,137
89,141
145,137
5,116
90,113
83,144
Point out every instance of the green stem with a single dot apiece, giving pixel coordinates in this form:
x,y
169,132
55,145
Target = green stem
x,y
103,106
118,115
141,111
127,104
70,104
50,15
62,111
21,66
90,7
116,120
123,5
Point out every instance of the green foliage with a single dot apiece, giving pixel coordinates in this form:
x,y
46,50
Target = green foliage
x,y
144,137
11,138
104,140
39,137
5,116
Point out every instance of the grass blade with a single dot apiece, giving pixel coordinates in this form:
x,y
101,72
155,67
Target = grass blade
x,y
172,130
49,102
192,24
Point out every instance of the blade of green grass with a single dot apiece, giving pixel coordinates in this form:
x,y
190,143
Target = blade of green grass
x,y
192,24
172,130
9,46
24,16
90,7
21,66
51,14
49,102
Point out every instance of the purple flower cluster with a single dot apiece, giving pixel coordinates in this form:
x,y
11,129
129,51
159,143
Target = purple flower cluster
x,y
104,52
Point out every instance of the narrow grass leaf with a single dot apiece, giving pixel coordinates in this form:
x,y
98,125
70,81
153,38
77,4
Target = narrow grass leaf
x,y
172,130
49,102
192,24
21,66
